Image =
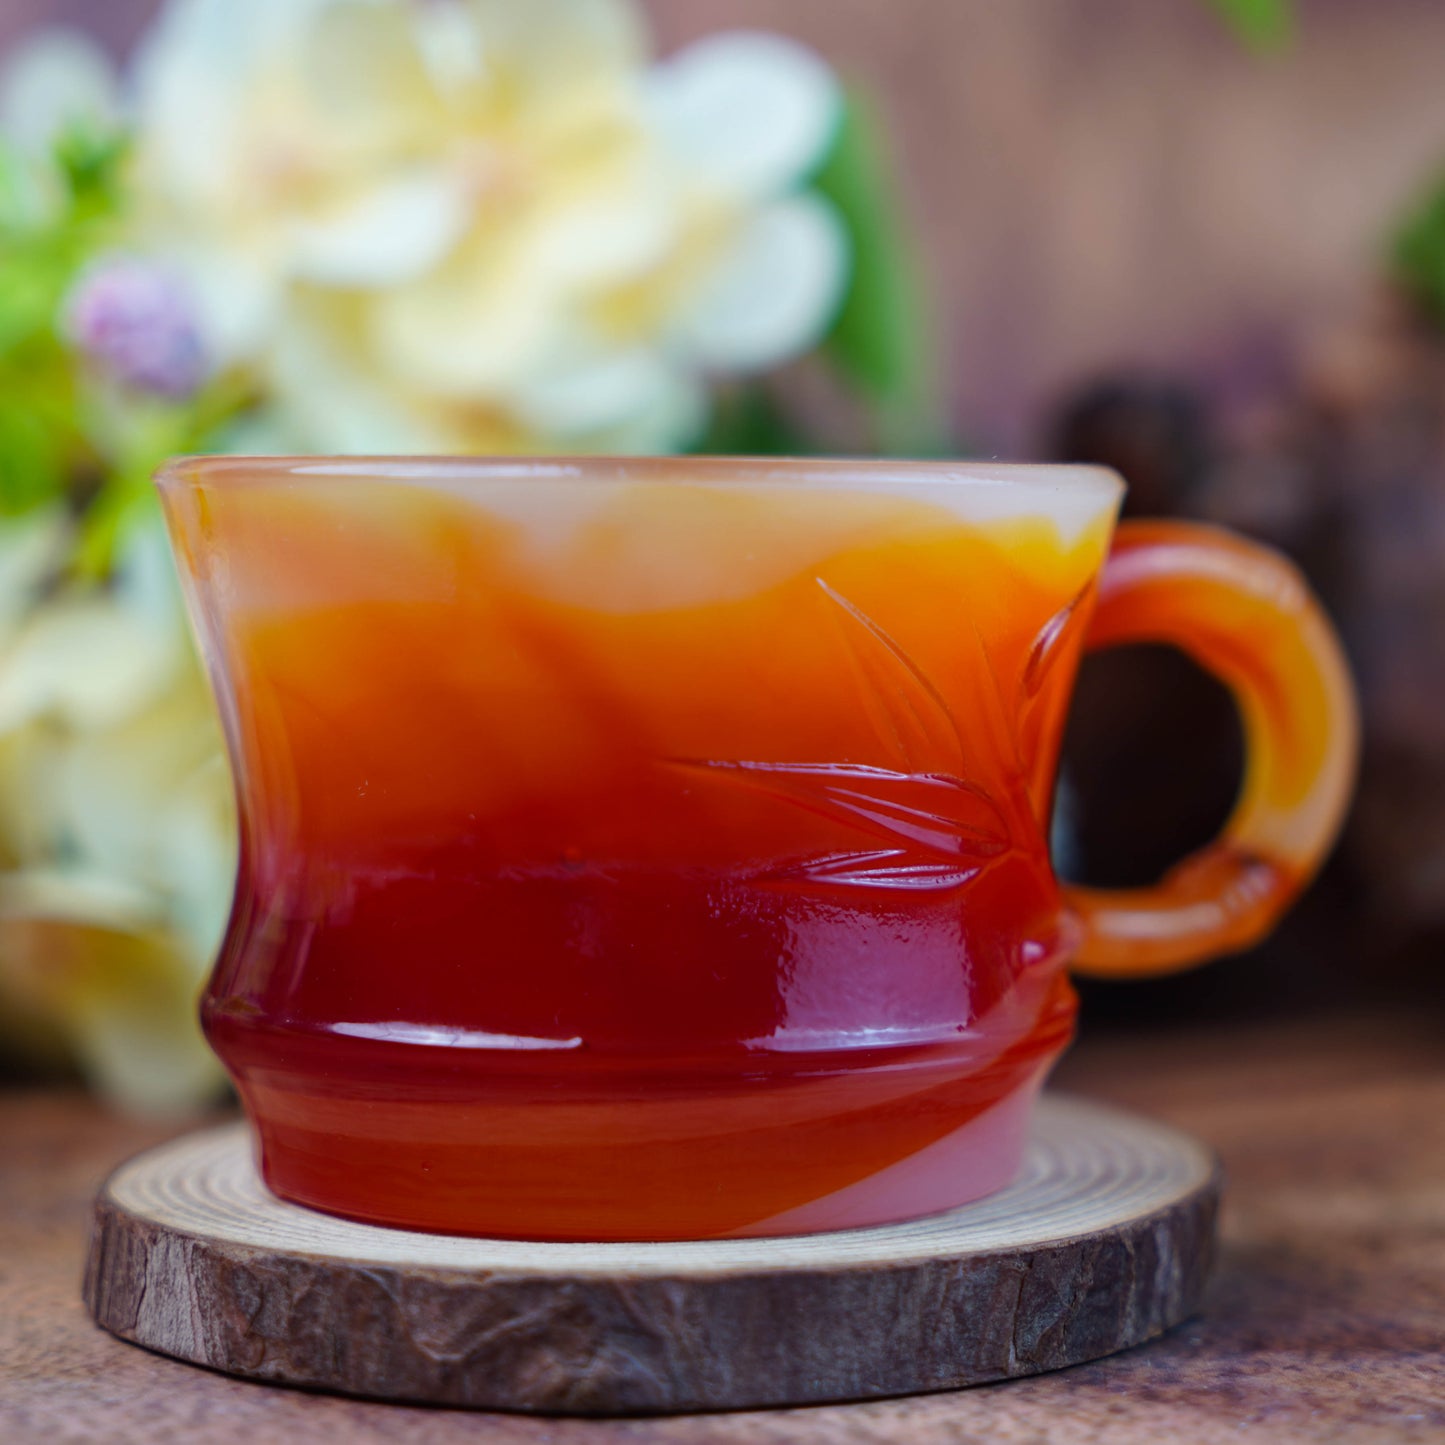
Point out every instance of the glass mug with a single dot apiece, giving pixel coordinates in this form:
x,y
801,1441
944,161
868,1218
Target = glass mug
x,y
656,849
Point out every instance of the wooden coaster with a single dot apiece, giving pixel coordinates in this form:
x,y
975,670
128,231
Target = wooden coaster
x,y
1104,1241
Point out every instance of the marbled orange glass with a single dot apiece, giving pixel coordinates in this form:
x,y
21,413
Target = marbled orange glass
x,y
658,849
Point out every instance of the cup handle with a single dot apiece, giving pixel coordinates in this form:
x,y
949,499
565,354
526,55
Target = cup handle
x,y
1247,616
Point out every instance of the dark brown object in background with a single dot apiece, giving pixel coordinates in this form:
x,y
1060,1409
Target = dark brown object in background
x,y
1154,748
1152,431
1354,458
1340,462
1154,745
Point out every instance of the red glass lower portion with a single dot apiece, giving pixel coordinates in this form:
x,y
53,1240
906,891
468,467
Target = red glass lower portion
x,y
489,1142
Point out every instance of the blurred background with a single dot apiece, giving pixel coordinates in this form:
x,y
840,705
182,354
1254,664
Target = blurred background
x,y
1202,241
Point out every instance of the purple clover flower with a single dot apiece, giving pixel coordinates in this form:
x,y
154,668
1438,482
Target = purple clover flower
x,y
134,318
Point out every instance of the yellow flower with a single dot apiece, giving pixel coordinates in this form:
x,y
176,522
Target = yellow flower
x,y
486,224
116,824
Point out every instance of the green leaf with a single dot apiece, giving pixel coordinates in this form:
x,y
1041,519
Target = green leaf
x,y
881,341
135,435
154,431
124,500
31,460
1418,258
1262,25
53,218
746,421
90,162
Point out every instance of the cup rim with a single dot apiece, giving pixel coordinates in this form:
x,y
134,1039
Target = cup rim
x,y
237,470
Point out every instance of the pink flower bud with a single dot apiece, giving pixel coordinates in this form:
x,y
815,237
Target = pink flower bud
x,y
134,318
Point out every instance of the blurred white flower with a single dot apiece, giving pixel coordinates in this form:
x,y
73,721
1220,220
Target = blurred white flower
x,y
57,79
135,320
482,224
116,825
412,225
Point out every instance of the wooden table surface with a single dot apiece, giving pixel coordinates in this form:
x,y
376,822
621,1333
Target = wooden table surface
x,y
1325,1322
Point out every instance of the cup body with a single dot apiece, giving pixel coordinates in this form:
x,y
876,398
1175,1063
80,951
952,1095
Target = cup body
x,y
640,849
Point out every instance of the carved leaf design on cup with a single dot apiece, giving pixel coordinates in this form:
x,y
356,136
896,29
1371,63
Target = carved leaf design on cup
x,y
907,711
1053,640
940,830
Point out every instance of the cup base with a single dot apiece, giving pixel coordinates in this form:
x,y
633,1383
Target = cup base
x,y
756,1157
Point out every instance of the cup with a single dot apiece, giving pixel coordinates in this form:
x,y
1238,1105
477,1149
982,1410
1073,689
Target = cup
x,y
657,849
